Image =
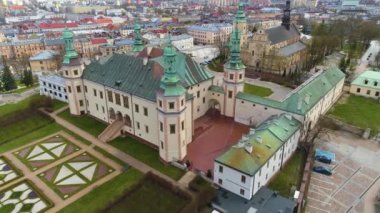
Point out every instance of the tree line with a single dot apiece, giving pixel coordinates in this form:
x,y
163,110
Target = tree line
x,y
8,82
351,35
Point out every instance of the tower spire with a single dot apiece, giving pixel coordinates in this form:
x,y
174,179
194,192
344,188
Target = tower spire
x,y
170,82
240,15
234,61
286,16
138,42
70,52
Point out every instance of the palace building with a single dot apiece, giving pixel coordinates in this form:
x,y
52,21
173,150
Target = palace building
x,y
156,95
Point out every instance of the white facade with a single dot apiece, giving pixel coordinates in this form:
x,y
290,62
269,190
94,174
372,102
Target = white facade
x,y
246,185
53,86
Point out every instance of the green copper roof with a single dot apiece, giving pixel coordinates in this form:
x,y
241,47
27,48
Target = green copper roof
x,y
217,89
234,61
370,79
189,71
240,15
138,44
170,82
129,74
265,141
303,98
70,52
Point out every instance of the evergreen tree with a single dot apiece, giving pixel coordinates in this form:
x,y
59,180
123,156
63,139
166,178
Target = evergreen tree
x,y
8,80
28,78
342,65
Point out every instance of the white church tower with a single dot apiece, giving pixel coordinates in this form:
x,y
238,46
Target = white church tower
x,y
234,71
72,69
171,106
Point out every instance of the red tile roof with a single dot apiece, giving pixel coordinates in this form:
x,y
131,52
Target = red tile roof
x,y
16,7
57,25
103,21
98,41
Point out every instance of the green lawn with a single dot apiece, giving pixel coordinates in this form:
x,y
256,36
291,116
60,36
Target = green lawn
x,y
30,137
147,155
21,89
358,111
100,197
257,90
289,176
150,197
32,122
88,124
10,108
58,104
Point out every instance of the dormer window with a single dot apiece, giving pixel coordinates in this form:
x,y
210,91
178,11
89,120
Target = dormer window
x,y
375,83
365,81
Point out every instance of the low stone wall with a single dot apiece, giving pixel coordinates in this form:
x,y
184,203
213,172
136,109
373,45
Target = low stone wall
x,y
335,124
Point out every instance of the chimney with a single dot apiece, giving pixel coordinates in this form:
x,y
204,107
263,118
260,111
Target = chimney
x,y
248,147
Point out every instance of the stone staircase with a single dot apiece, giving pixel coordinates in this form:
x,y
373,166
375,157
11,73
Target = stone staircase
x,y
112,131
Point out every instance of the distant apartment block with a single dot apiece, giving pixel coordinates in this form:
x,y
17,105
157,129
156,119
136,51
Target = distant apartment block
x,y
216,33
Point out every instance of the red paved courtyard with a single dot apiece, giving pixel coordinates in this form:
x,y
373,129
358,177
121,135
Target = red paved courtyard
x,y
213,135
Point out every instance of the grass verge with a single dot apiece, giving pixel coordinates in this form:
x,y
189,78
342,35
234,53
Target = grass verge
x,y
257,90
147,155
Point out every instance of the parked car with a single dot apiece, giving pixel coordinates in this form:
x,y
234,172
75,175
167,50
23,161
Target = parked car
x,y
323,159
322,170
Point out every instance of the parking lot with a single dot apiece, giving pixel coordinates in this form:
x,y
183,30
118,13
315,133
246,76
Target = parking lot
x,y
355,178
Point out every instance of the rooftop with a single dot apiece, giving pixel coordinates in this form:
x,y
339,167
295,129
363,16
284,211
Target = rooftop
x,y
280,33
370,79
264,141
292,48
44,55
264,201
209,27
304,97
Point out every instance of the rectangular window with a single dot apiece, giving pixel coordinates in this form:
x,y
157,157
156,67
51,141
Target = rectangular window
x,y
125,102
101,94
220,169
171,105
95,92
103,109
368,92
160,103
220,181
183,125
69,89
242,191
75,72
161,126
231,76
97,107
80,102
172,128
243,179
79,89
138,125
377,94
204,100
162,145
146,129
136,108
182,102
198,94
240,76
229,94
85,89
117,99
110,97
145,111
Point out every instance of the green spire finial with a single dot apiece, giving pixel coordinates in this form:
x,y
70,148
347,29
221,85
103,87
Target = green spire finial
x,y
138,45
170,82
240,15
234,61
70,51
